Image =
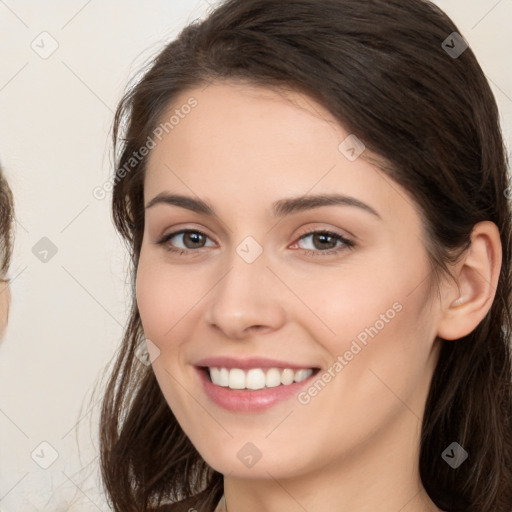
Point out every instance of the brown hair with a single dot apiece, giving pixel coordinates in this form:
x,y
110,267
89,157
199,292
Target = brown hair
x,y
6,226
380,68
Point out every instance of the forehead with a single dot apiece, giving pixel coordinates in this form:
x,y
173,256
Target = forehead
x,y
257,145
248,128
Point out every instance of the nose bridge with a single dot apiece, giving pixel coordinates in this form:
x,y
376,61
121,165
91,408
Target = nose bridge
x,y
248,293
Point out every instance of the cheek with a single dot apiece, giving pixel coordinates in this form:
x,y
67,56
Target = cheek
x,y
165,298
379,314
154,296
349,301
384,336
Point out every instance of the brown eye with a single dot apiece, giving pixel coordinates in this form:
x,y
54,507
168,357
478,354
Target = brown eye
x,y
190,239
324,242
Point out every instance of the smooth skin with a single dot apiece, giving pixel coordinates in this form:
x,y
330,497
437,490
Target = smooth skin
x,y
355,446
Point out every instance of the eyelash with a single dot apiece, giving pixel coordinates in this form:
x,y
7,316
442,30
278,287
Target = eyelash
x,y
347,244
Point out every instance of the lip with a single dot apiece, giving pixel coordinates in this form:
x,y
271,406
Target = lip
x,y
251,362
246,400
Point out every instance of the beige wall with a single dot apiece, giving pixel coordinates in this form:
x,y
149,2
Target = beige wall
x,y
67,313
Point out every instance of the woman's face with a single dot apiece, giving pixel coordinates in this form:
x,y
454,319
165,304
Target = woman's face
x,y
256,291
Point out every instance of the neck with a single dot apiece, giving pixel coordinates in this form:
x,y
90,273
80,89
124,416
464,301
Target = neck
x,y
381,474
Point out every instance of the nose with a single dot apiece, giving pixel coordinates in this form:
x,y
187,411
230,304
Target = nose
x,y
248,298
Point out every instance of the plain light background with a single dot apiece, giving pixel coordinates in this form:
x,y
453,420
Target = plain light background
x,y
68,312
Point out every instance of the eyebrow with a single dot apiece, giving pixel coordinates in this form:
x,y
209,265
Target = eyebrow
x,y
280,208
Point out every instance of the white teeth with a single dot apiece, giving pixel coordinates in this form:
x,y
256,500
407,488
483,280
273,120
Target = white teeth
x,y
273,378
215,375
256,378
302,375
287,376
237,379
220,376
224,377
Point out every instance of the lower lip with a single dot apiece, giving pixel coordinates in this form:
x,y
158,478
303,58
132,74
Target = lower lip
x,y
246,400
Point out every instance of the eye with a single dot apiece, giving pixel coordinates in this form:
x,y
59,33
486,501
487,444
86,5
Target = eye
x,y
324,240
192,239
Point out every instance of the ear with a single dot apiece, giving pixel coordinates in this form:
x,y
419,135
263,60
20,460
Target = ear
x,y
466,304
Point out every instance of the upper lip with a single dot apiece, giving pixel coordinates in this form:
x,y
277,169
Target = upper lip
x,y
250,362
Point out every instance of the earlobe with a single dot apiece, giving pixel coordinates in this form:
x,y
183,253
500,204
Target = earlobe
x,y
477,277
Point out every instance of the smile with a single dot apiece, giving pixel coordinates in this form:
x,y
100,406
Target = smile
x,y
252,385
257,378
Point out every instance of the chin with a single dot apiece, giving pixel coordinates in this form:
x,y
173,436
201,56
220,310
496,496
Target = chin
x,y
245,460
